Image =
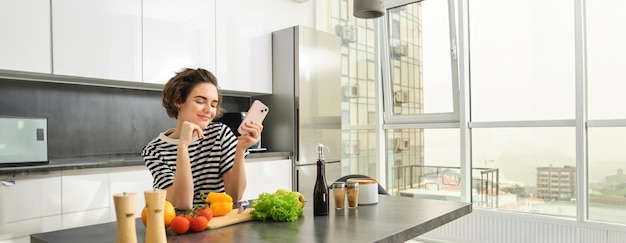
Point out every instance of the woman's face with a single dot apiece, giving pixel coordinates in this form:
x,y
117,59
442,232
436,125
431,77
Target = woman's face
x,y
200,106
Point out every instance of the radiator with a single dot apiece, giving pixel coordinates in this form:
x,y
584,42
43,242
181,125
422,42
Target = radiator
x,y
493,227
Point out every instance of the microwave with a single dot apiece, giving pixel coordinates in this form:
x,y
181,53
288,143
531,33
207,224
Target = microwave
x,y
23,141
232,120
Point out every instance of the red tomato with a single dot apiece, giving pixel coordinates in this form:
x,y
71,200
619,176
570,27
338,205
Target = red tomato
x,y
198,223
180,224
206,212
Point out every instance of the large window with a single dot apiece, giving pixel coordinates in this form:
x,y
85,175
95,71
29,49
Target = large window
x,y
545,84
522,59
607,120
541,125
421,101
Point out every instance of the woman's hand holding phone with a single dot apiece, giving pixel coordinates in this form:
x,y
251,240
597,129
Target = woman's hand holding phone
x,y
255,116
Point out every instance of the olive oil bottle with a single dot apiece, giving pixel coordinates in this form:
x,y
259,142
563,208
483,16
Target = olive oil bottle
x,y
320,191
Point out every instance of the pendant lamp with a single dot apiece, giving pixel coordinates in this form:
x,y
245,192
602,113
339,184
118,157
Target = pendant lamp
x,y
368,9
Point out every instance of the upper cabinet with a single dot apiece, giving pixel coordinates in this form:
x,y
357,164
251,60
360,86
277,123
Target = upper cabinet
x,y
97,39
25,42
177,34
245,48
244,40
147,41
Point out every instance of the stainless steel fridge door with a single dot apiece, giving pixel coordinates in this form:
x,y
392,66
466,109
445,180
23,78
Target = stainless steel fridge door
x,y
305,104
318,94
306,175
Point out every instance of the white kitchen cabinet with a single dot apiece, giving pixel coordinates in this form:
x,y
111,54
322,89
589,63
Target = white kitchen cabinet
x,y
30,198
66,199
86,198
86,190
15,231
244,56
267,176
176,35
97,39
29,206
25,239
87,217
136,180
25,43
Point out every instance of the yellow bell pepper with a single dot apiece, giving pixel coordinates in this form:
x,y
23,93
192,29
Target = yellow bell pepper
x,y
220,203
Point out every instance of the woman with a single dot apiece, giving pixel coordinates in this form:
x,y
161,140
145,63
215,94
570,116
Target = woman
x,y
198,155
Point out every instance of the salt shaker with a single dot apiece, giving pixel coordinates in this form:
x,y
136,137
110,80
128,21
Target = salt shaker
x,y
125,216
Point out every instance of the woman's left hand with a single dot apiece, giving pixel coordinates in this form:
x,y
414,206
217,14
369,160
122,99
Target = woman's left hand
x,y
254,135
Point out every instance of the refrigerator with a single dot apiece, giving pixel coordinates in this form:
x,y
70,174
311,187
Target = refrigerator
x,y
305,106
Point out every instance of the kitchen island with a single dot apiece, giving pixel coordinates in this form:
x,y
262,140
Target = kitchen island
x,y
392,219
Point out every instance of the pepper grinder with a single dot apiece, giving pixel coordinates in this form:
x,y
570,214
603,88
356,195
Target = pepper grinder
x,y
155,203
125,215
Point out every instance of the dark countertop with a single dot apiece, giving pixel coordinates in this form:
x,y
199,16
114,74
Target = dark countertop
x,y
108,162
393,219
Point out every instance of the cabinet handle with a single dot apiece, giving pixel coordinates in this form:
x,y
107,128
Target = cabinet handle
x,y
8,183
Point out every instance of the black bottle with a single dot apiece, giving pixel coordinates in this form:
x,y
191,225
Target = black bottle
x,y
320,191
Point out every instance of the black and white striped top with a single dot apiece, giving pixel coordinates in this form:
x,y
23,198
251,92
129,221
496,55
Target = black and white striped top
x,y
210,158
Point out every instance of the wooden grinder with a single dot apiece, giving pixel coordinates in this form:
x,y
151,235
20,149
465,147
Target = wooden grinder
x,y
155,204
125,214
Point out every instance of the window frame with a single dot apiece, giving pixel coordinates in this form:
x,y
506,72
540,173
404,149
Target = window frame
x,y
442,119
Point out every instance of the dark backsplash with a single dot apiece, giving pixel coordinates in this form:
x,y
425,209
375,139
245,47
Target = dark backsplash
x,y
88,121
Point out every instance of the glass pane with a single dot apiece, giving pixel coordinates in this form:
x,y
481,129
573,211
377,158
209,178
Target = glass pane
x,y
419,42
425,163
360,151
358,82
534,169
605,59
607,181
522,60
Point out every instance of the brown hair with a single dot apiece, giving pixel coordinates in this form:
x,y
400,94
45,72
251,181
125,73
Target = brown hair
x,y
178,88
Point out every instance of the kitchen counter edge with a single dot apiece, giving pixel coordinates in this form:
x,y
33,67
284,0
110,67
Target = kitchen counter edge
x,y
60,165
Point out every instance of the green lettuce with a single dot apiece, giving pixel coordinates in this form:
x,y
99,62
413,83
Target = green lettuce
x,y
271,206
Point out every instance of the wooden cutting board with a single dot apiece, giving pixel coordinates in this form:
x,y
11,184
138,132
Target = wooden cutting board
x,y
231,218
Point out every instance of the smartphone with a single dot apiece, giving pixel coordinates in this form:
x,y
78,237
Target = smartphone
x,y
256,113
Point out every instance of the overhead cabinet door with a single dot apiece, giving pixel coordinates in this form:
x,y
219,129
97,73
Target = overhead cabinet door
x,y
25,42
176,35
97,39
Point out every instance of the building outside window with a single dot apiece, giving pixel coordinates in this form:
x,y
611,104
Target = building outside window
x,y
359,60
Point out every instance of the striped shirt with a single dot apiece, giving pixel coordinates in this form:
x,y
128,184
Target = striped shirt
x,y
210,158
